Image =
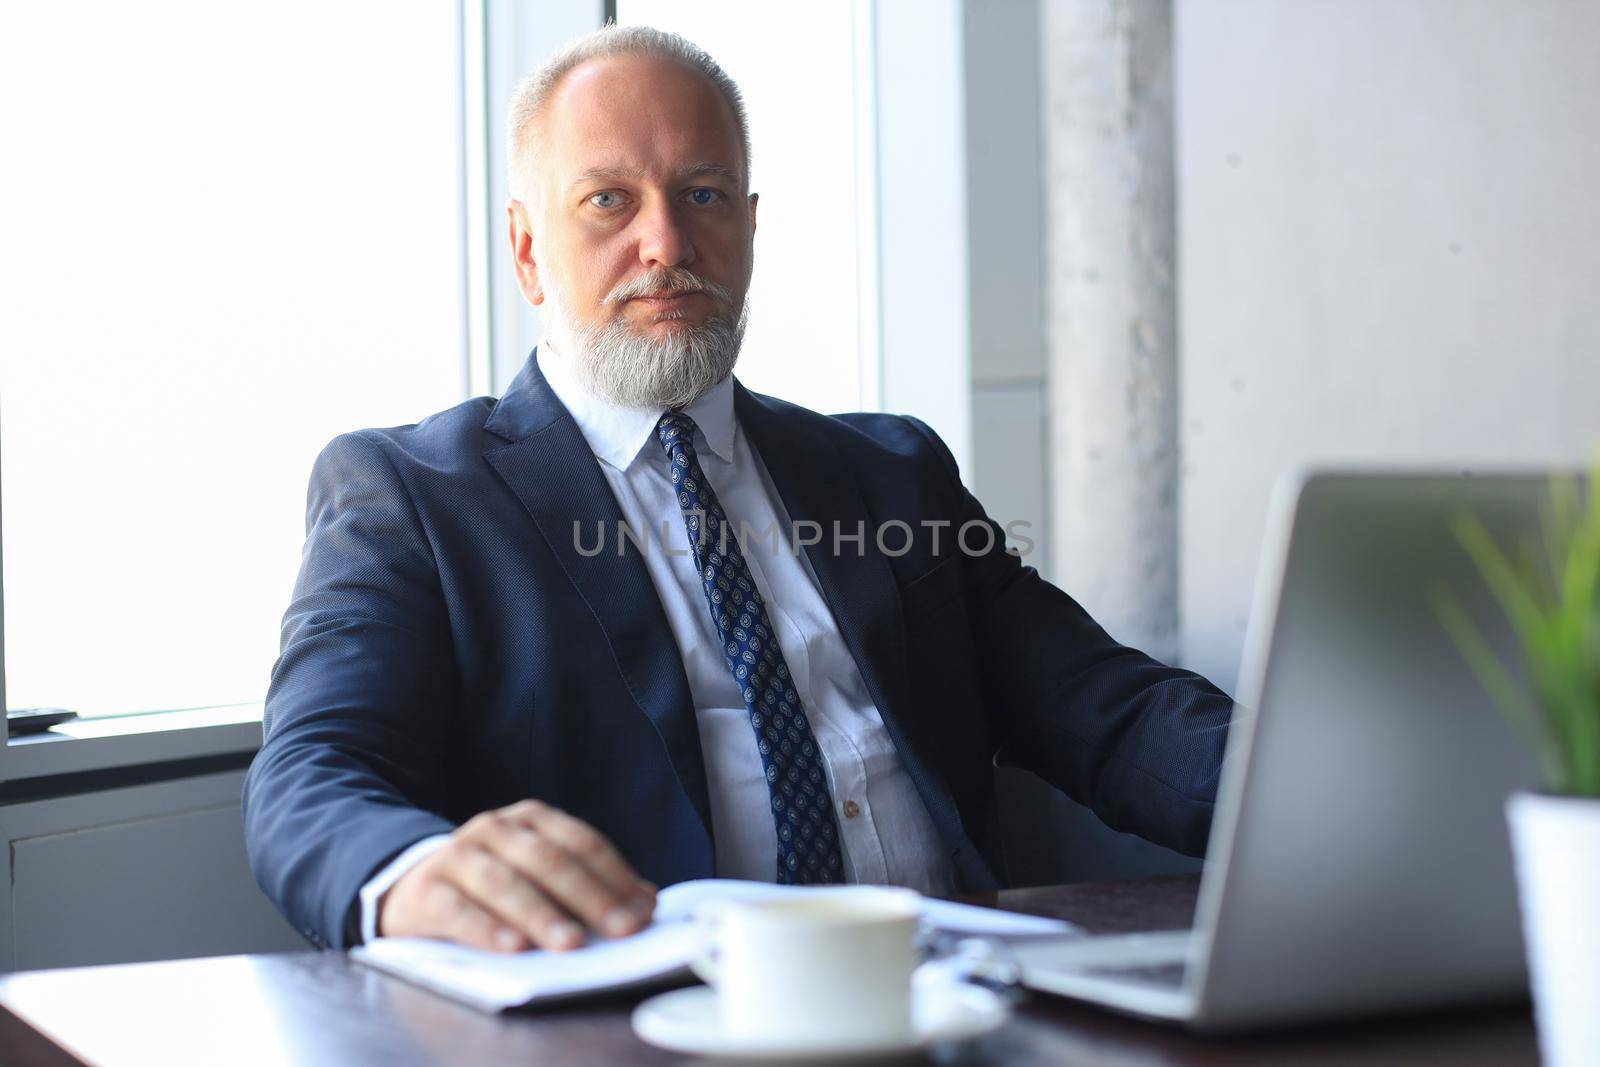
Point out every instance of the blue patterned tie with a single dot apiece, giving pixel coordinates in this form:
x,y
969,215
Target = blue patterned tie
x,y
802,809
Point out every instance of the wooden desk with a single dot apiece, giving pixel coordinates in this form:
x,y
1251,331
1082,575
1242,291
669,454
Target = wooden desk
x,y
319,1008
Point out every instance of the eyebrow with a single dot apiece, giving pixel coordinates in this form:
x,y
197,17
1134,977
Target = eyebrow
x,y
694,170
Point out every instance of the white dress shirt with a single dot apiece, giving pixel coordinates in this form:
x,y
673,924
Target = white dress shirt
x,y
884,827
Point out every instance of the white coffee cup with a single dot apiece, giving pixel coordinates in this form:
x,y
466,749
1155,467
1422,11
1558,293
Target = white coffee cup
x,y
831,968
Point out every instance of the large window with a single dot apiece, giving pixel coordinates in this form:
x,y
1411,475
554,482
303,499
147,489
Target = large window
x,y
231,232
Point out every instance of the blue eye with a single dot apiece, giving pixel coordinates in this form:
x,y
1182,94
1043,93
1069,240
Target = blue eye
x,y
704,197
605,200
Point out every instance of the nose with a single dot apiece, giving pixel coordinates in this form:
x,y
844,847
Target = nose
x,y
663,239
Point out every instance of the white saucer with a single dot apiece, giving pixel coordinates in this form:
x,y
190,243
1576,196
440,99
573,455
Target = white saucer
x,y
686,1020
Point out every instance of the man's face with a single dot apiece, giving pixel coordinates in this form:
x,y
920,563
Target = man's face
x,y
642,192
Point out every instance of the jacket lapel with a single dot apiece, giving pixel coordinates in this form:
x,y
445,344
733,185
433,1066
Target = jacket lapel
x,y
857,583
549,466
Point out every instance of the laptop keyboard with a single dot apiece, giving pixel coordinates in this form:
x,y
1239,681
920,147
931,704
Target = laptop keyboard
x,y
1162,974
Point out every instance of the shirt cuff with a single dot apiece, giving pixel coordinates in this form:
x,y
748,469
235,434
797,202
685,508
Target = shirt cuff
x,y
380,883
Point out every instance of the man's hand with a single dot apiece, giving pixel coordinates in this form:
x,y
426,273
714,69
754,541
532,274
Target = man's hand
x,y
525,876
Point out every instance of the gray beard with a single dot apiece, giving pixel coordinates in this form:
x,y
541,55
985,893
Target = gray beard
x,y
636,371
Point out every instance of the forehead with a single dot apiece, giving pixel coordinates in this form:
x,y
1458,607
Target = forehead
x,y
648,114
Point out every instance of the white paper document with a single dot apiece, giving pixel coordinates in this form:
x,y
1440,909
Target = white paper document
x,y
495,981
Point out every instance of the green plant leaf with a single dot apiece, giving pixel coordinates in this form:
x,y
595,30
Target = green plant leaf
x,y
1502,688
1519,604
1549,591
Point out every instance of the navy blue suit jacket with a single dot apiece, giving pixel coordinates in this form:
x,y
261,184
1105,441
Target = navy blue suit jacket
x,y
449,649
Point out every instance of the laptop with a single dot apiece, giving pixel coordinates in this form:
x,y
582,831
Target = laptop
x,y
1359,861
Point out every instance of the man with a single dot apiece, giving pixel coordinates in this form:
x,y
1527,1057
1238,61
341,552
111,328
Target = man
x,y
802,664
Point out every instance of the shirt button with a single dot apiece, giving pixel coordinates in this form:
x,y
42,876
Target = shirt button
x,y
851,809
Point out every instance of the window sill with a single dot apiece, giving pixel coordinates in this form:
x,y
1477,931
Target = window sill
x,y
101,744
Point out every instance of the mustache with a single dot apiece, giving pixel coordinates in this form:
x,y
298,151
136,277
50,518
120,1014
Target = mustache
x,y
668,280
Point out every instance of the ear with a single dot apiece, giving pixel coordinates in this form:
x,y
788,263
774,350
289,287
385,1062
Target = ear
x,y
519,228
753,198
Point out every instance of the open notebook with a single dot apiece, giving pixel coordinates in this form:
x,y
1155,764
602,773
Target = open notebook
x,y
494,981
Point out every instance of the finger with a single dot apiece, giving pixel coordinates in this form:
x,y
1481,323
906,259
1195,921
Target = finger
x,y
452,914
594,849
566,879
502,890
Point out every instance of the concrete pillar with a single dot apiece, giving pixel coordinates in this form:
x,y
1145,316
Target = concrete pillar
x,y
1111,313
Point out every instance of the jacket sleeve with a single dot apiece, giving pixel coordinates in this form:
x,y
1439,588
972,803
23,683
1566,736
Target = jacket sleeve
x,y
350,771
1138,742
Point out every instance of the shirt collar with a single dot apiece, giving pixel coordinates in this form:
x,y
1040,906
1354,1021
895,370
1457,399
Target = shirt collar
x,y
616,433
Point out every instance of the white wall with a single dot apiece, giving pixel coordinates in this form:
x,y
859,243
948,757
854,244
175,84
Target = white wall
x,y
1389,252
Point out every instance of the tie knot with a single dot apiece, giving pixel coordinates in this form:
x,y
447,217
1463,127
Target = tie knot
x,y
676,430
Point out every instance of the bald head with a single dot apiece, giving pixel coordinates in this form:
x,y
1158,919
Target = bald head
x,y
530,115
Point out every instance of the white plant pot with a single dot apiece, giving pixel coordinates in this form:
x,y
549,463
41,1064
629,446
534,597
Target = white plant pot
x,y
1556,842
